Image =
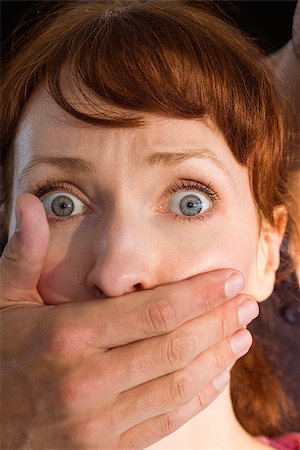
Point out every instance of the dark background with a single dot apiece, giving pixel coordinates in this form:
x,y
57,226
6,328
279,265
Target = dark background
x,y
269,22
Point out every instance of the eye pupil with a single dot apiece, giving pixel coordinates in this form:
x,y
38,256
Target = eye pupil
x,y
190,205
62,206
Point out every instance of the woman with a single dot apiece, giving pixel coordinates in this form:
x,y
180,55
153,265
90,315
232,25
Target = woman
x,y
153,137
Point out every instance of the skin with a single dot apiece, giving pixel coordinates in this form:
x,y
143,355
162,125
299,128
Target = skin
x,y
125,244
129,237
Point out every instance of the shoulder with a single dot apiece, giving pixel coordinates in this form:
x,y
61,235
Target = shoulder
x,y
289,441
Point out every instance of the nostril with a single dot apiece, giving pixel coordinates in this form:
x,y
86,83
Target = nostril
x,y
100,294
118,291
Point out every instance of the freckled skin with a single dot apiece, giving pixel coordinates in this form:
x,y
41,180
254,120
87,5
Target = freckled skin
x,y
128,237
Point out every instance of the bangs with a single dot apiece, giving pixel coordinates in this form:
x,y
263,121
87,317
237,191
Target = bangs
x,y
158,58
111,64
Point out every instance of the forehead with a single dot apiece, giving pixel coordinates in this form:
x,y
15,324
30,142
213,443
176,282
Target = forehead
x,y
48,130
117,156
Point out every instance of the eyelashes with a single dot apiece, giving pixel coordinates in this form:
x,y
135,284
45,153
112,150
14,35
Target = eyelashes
x,y
191,185
201,208
198,203
52,187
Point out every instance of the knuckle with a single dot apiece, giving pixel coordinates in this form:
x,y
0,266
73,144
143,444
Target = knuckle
x,y
181,387
225,319
204,398
197,298
160,316
11,253
221,328
220,357
203,299
55,342
200,401
168,423
207,298
179,350
69,393
205,293
60,341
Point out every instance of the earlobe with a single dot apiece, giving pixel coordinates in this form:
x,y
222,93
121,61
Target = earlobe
x,y
271,237
268,254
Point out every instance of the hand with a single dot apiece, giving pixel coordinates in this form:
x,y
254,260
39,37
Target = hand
x,y
119,373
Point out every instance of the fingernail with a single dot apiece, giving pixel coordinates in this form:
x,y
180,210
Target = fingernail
x,y
241,342
18,218
248,311
234,284
221,380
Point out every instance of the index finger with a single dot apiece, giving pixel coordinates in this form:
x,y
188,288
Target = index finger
x,y
135,316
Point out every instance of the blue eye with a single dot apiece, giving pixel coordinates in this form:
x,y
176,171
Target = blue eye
x,y
62,204
189,204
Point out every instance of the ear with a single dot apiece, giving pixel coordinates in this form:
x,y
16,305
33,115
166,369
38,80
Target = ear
x,y
268,254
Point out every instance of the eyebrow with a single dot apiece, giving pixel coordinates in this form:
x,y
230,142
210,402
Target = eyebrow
x,y
68,164
168,159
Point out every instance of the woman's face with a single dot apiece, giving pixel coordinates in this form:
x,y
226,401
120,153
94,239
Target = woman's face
x,y
137,207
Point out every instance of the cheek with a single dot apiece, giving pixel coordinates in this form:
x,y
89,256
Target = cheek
x,y
206,252
64,274
222,242
169,256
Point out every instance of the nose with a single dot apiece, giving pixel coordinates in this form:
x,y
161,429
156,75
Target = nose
x,y
123,262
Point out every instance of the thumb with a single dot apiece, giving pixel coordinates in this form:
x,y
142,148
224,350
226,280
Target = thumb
x,y
23,257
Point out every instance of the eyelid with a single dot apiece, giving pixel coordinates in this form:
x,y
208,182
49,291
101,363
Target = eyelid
x,y
191,185
52,185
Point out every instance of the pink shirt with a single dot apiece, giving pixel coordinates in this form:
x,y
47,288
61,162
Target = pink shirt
x,y
289,441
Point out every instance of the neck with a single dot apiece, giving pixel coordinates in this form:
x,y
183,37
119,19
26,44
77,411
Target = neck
x,y
215,428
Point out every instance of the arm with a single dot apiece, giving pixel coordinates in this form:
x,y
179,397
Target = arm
x,y
79,375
